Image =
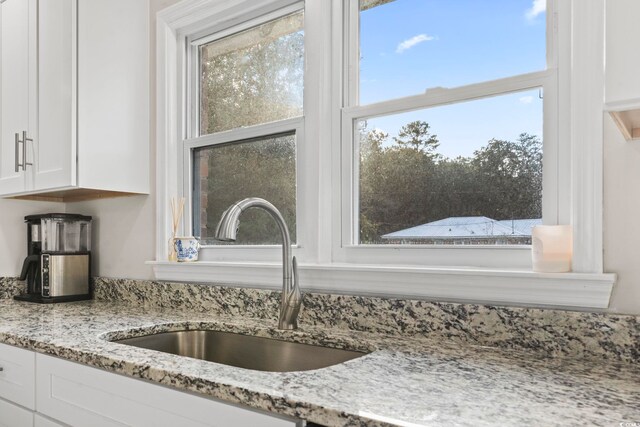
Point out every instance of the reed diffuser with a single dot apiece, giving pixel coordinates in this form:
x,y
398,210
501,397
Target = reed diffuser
x,y
177,207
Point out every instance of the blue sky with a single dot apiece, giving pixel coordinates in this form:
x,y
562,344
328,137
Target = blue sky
x,y
408,46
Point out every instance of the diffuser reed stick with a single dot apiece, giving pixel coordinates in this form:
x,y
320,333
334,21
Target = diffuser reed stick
x,y
177,208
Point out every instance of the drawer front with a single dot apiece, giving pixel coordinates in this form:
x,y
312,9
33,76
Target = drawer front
x,y
17,375
80,396
14,416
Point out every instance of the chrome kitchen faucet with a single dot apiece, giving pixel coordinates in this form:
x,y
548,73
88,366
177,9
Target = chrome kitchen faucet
x,y
291,298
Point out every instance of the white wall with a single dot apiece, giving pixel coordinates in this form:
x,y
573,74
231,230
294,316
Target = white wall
x,y
13,231
622,159
124,235
125,227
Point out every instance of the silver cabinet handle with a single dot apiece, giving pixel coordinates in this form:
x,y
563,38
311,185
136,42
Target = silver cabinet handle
x,y
24,149
24,141
18,164
17,155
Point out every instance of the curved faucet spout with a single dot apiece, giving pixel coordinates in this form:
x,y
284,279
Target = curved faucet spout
x,y
227,230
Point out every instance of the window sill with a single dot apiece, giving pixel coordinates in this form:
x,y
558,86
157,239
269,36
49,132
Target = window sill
x,y
492,286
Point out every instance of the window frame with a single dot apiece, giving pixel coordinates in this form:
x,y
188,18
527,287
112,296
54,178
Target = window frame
x,y
580,113
346,246
194,139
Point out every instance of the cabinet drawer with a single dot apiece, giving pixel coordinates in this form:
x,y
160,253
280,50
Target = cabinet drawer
x,y
81,396
14,416
17,377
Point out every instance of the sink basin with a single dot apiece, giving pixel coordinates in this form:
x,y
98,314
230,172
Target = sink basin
x,y
244,351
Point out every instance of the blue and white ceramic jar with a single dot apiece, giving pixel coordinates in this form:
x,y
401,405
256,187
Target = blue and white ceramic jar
x,y
186,248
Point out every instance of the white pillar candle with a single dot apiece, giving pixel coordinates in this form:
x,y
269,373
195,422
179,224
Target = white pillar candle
x,y
552,248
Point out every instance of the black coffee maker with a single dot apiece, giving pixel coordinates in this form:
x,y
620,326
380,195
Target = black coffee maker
x,y
57,266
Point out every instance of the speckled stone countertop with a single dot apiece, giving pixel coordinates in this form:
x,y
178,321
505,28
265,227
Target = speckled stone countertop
x,y
406,380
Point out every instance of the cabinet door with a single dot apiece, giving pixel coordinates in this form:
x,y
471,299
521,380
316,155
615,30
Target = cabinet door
x,y
18,50
55,143
17,376
113,95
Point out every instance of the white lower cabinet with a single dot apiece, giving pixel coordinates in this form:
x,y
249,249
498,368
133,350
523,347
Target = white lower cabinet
x,y
17,376
79,395
14,416
44,391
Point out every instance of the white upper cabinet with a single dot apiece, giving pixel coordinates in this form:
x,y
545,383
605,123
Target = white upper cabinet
x,y
17,91
54,145
75,83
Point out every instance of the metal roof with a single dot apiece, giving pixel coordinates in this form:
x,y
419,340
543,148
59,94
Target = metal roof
x,y
521,226
467,227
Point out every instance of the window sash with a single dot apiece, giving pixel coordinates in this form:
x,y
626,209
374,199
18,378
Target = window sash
x,y
226,29
192,138
296,126
351,51
345,244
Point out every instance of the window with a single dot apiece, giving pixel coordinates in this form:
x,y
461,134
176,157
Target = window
x,y
247,111
375,119
225,173
446,126
252,77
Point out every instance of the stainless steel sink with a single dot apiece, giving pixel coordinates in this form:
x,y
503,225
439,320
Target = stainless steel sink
x,y
244,351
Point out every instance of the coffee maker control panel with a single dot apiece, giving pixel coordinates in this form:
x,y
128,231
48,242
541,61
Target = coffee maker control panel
x,y
45,275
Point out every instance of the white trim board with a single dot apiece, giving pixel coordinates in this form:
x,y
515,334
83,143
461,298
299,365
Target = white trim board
x,y
520,287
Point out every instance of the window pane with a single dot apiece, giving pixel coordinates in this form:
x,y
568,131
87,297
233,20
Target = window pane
x,y
468,173
252,77
225,174
407,46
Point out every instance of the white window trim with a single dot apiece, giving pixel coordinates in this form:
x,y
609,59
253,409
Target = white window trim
x,y
580,113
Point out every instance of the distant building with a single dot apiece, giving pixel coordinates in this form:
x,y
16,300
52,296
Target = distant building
x,y
467,230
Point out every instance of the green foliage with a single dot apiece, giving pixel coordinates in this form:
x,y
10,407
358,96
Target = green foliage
x,y
405,183
259,82
417,136
252,77
264,168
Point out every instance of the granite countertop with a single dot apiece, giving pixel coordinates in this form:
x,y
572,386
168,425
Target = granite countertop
x,y
404,381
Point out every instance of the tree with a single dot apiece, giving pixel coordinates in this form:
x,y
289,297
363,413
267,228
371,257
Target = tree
x,y
253,77
416,135
509,176
391,181
264,168
405,183
250,78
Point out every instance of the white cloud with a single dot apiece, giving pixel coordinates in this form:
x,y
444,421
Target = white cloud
x,y
526,99
538,7
409,43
